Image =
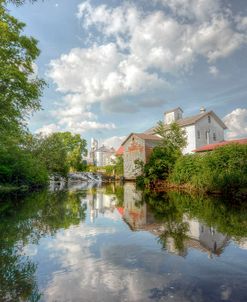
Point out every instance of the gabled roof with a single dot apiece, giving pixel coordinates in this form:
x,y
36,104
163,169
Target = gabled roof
x,y
146,137
190,121
211,147
173,110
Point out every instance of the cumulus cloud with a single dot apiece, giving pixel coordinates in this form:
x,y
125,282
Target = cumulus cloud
x,y
48,129
131,53
99,73
236,121
114,141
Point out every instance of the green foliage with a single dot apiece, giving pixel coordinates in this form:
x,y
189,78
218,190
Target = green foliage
x,y
116,169
20,167
164,156
119,166
60,152
20,89
173,138
171,208
51,151
224,169
161,163
23,221
109,170
75,147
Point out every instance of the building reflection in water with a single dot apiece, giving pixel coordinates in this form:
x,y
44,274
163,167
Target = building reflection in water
x,y
196,234
100,203
177,236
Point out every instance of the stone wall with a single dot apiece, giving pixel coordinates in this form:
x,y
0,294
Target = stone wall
x,y
134,149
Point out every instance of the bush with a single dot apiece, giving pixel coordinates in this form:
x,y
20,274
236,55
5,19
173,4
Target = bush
x,y
161,163
19,167
223,169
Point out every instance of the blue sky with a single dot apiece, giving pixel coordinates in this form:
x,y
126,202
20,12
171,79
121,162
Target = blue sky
x,y
113,67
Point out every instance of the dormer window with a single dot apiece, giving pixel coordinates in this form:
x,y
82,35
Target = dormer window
x,y
209,119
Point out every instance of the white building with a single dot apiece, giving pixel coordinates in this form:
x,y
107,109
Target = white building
x,y
201,129
104,156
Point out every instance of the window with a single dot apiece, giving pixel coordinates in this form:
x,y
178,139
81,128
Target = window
x,y
198,134
209,119
214,136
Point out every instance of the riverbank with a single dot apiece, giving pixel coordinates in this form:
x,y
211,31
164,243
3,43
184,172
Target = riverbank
x,y
166,186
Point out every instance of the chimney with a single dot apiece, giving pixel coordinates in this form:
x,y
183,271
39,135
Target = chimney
x,y
202,109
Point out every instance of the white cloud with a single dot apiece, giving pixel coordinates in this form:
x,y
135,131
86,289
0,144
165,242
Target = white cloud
x,y
131,53
213,70
81,127
114,141
99,73
202,10
48,129
236,121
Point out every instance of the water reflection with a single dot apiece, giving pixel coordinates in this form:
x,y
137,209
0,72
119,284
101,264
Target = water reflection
x,y
116,243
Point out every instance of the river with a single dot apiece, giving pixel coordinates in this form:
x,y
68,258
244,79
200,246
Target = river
x,y
115,243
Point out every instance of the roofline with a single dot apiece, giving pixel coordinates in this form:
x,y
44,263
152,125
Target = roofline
x,y
134,133
173,110
203,115
215,116
127,138
213,146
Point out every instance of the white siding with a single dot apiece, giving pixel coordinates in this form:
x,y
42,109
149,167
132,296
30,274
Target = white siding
x,y
191,139
213,127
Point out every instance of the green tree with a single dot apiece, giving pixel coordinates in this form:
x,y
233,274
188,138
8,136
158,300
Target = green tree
x,y
52,152
164,156
20,89
75,147
60,152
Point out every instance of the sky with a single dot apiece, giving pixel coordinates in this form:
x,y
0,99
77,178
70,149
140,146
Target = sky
x,y
114,67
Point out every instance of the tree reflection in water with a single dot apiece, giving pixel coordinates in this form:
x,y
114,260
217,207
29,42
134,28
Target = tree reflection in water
x,y
25,220
182,221
179,222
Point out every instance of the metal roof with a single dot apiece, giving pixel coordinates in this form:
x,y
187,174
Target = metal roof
x,y
211,147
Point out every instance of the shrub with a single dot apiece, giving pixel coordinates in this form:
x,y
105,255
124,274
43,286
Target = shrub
x,y
223,169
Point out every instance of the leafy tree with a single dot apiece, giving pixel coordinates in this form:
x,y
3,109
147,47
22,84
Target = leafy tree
x,y
75,147
20,89
173,138
164,156
52,152
60,152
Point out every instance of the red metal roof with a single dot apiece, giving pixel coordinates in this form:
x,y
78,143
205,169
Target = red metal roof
x,y
211,147
120,151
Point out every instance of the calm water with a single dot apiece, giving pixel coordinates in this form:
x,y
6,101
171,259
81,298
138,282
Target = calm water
x,y
114,243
